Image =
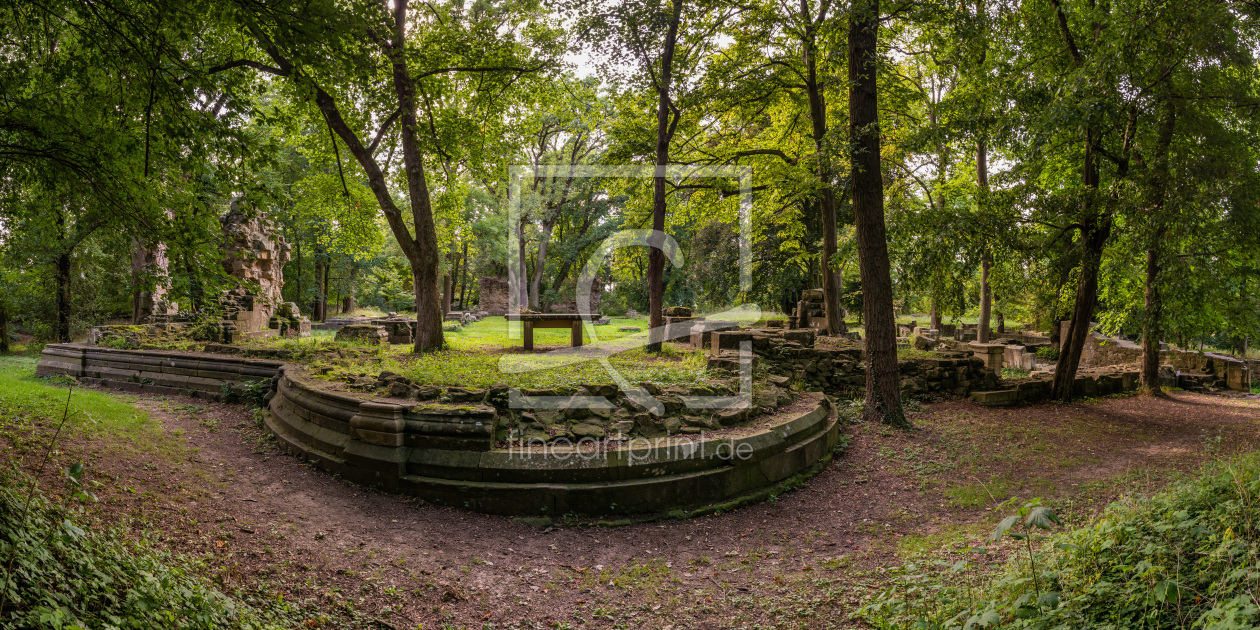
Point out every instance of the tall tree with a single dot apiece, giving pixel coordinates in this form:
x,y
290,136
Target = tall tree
x,y
883,383
418,50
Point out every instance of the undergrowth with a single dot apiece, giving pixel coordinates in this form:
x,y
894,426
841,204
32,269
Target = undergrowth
x,y
61,574
1186,558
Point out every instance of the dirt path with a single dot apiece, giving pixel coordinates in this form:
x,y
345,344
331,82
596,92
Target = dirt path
x,y
803,560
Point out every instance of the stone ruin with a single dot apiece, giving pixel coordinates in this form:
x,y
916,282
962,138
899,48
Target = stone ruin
x,y
493,294
811,311
254,256
152,305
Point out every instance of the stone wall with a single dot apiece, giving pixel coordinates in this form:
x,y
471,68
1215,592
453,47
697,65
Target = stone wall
x,y
445,450
1089,382
154,372
493,294
1100,350
567,302
442,453
793,355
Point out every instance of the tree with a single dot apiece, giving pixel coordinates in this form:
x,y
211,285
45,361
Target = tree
x,y
883,383
386,62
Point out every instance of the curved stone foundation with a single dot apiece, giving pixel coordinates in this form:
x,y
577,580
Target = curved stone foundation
x,y
443,454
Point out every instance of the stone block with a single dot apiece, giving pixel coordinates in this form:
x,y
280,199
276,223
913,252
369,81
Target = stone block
x,y
702,332
804,337
363,334
998,398
728,340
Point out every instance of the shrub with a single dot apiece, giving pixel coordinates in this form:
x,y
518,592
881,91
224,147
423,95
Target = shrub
x,y
1050,353
1186,558
66,576
249,392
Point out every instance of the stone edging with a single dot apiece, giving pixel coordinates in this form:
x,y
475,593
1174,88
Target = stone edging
x,y
371,443
153,371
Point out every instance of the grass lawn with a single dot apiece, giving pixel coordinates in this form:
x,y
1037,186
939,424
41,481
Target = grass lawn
x,y
487,353
34,406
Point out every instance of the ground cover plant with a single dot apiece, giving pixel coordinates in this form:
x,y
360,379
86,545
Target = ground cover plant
x,y
1183,558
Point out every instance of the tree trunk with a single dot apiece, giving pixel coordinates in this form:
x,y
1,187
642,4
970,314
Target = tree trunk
x,y
347,303
883,393
63,297
446,292
317,302
1151,332
463,283
986,262
62,278
535,284
4,328
935,317
818,115
1001,323
522,284
324,290
664,133
1095,231
986,302
1152,329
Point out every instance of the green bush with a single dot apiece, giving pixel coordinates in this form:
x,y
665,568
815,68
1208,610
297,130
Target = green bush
x,y
250,392
66,576
1050,353
1186,558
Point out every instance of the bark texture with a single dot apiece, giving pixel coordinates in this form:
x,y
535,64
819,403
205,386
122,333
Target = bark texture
x,y
818,116
665,125
883,391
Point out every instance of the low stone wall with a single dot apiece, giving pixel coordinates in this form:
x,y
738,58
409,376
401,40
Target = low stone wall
x,y
795,355
153,371
1231,372
1089,382
444,454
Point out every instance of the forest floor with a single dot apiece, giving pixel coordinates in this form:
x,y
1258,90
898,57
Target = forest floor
x,y
209,482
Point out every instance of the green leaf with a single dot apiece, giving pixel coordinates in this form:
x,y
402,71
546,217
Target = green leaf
x,y
1003,527
1042,517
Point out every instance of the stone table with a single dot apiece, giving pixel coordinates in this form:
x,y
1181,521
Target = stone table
x,y
572,321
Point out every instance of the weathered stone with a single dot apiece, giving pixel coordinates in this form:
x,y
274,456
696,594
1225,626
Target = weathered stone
x,y
677,311
804,337
703,422
672,425
463,394
423,392
254,255
812,295
586,430
363,334
622,428
731,415
648,425
702,332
